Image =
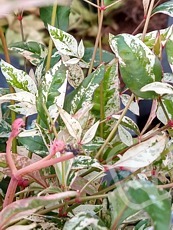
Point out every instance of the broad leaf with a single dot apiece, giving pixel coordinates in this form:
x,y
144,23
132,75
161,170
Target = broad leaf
x,y
5,128
168,78
24,108
142,154
158,87
165,8
134,196
18,78
34,144
84,93
20,96
65,43
32,51
62,16
23,208
83,221
138,64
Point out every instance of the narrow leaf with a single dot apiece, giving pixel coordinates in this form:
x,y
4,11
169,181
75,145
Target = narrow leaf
x,y
84,93
146,4
125,136
72,125
89,135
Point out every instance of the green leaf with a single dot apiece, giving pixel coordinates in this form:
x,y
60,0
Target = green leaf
x,y
34,144
138,64
85,221
62,16
169,51
18,78
26,207
159,87
33,51
84,93
165,8
138,195
106,56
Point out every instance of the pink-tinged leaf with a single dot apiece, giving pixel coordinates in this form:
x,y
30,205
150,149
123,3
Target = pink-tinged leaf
x,y
89,135
23,208
20,162
72,125
22,227
142,154
8,6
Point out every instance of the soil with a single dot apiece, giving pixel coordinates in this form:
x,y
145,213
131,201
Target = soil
x,y
130,15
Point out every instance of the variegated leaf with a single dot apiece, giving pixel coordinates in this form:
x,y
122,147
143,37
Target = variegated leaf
x,y
24,108
18,78
65,43
158,87
72,125
138,64
134,107
33,51
125,136
89,135
20,96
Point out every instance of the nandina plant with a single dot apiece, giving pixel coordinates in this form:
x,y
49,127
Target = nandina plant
x,y
83,163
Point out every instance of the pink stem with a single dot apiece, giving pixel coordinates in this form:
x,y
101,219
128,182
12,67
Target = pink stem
x,y
9,156
43,164
10,192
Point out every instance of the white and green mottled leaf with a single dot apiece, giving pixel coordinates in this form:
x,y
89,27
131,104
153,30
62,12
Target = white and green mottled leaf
x,y
20,96
72,61
128,123
54,87
84,220
161,115
33,51
29,133
125,136
89,135
84,93
138,64
24,108
18,78
5,128
164,8
134,107
64,42
168,78
150,37
72,125
67,168
142,154
158,87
